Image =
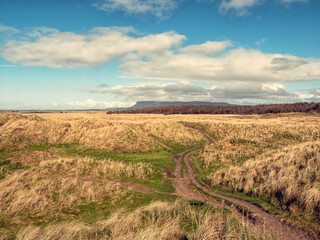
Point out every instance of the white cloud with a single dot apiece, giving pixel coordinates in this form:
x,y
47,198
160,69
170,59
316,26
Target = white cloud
x,y
160,56
67,49
240,6
94,104
247,65
158,91
272,86
158,8
186,91
209,48
311,95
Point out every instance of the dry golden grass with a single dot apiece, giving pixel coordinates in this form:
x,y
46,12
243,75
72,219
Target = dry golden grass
x,y
100,131
27,158
227,153
272,155
256,129
239,138
290,174
38,193
158,220
98,168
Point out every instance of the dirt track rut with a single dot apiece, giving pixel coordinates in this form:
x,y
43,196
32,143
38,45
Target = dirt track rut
x,y
263,222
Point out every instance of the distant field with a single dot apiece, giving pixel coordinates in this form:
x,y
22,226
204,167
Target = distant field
x,y
92,175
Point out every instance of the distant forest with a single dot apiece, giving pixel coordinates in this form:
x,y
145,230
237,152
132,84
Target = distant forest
x,y
245,110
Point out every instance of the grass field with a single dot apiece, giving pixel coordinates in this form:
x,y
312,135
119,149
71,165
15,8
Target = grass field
x,y
90,175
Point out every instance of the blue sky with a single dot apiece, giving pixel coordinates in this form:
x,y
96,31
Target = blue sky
x,y
111,53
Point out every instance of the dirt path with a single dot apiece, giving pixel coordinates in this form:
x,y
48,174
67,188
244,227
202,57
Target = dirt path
x,y
264,222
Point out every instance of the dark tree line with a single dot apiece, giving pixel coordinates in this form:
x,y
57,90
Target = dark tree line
x,y
244,110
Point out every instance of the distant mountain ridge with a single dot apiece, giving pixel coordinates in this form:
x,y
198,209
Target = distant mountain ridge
x,y
151,104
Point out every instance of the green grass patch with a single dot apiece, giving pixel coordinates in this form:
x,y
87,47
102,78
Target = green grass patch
x,y
159,160
286,135
7,166
101,210
199,166
178,147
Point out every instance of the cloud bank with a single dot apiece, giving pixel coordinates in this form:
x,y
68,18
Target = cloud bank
x,y
235,74
66,49
182,91
159,56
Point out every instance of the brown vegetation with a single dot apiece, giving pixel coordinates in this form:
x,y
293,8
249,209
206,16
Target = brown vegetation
x,y
159,220
273,156
93,131
27,158
98,168
290,175
35,194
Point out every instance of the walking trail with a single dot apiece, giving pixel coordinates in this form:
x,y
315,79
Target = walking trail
x,y
263,221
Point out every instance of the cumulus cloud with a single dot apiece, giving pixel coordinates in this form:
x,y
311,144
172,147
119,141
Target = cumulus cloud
x,y
159,56
158,91
209,48
66,49
158,8
310,95
186,91
238,64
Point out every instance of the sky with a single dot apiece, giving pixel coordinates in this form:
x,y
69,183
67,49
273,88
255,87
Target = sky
x,y
97,54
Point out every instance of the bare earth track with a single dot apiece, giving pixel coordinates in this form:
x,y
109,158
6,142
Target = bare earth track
x,y
263,222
